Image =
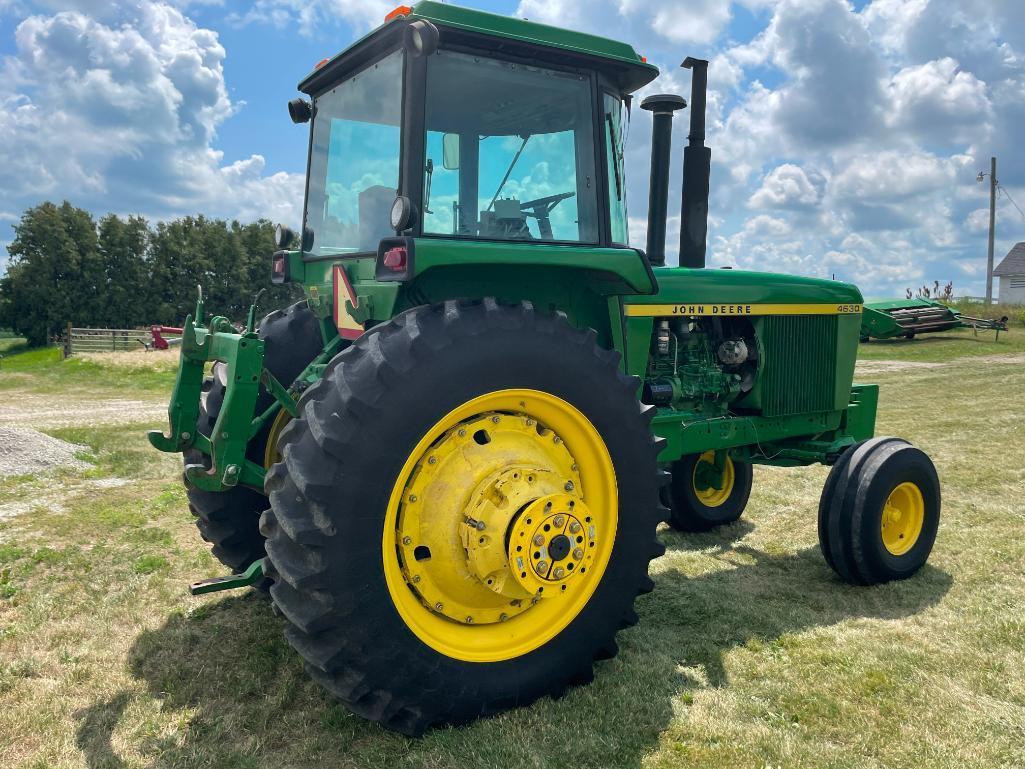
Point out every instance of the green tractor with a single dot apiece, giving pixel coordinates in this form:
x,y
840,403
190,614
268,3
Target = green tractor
x,y
448,463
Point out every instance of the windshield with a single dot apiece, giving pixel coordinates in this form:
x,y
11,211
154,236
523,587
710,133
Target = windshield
x,y
510,151
354,161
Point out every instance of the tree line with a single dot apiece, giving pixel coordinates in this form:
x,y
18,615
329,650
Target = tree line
x,y
65,266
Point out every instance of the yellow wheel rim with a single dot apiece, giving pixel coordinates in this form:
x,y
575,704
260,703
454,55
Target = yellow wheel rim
x,y
500,525
708,495
270,449
903,517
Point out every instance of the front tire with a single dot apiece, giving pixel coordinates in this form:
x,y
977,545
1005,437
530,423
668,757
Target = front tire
x,y
431,448
879,512
696,505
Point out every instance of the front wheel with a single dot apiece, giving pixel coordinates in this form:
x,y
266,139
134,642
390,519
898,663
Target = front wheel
x,y
702,499
464,515
880,511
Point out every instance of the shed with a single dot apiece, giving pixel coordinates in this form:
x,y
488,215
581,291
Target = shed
x,y
1011,272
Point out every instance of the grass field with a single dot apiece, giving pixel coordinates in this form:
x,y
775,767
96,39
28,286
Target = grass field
x,y
750,653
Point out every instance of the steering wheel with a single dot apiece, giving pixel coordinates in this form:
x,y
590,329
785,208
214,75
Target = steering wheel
x,y
541,208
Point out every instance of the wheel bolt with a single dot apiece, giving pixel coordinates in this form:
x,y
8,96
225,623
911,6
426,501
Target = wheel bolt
x,y
407,540
578,553
559,572
557,440
412,497
480,525
558,521
432,460
496,420
574,527
539,540
469,620
569,486
462,433
416,578
439,606
503,617
542,565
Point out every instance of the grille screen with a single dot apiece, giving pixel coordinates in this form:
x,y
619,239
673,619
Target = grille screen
x,y
800,364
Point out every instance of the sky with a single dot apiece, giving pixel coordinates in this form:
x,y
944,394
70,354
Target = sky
x,y
846,136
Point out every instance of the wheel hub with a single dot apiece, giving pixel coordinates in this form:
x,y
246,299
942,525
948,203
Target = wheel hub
x,y
488,522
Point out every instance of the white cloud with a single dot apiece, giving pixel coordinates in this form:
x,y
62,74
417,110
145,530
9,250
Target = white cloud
x,y
313,15
786,186
123,114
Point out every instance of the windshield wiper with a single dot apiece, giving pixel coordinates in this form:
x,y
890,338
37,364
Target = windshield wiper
x,y
507,172
617,157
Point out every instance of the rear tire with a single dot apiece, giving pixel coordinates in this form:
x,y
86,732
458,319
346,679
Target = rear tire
x,y
230,520
879,512
693,509
364,437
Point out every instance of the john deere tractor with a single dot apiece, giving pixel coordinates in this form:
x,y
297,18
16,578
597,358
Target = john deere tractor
x,y
448,462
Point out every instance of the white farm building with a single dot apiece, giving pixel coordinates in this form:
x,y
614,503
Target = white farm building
x,y
1011,272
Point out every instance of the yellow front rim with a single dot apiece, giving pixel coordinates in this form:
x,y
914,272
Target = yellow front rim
x,y
500,525
707,494
903,517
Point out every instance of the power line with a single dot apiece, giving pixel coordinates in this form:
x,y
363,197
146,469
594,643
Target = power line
x,y
1008,196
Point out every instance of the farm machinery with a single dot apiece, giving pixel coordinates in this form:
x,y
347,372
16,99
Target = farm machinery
x,y
896,318
447,464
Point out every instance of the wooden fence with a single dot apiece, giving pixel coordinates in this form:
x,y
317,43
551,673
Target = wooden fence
x,y
80,340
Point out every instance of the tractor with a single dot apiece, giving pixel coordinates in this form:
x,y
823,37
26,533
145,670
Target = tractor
x,y
449,462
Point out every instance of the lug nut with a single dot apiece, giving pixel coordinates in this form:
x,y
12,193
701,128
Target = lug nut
x,y
578,553
569,486
407,540
542,565
503,617
496,419
416,578
462,433
412,497
539,540
557,440
469,620
559,572
574,527
558,521
432,460
480,525
439,606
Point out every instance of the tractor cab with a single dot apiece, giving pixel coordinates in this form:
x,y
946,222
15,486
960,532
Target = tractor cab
x,y
443,124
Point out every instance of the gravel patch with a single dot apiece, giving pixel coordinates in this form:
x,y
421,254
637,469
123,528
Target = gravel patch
x,y
24,451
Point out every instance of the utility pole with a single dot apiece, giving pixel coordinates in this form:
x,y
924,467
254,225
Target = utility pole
x,y
992,228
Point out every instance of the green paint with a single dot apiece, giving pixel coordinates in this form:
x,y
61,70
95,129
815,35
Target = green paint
x,y
251,576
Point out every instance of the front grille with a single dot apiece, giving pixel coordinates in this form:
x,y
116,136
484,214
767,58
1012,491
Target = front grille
x,y
800,364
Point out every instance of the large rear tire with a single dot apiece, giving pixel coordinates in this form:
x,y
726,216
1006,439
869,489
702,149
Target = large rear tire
x,y
431,448
229,520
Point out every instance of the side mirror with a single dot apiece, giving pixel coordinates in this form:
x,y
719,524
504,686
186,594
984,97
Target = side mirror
x,y
450,152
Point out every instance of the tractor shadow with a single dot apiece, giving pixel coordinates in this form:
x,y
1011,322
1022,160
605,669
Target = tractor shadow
x,y
225,671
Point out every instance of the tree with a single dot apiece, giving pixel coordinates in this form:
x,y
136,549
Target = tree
x,y
53,272
123,246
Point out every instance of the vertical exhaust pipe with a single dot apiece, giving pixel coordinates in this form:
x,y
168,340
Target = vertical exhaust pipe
x,y
662,107
697,164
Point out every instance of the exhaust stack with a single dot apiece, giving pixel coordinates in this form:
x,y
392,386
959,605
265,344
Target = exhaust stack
x,y
697,164
662,107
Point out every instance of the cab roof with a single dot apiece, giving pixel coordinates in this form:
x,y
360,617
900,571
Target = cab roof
x,y
618,61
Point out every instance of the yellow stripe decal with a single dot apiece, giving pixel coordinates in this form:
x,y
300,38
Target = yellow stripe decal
x,y
650,310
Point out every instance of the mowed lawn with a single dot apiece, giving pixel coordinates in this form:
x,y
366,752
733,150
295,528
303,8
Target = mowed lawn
x,y
750,652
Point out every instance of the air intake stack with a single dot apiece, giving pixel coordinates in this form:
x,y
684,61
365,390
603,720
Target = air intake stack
x,y
662,107
697,164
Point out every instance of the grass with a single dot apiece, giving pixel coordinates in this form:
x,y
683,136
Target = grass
x,y
948,346
749,653
49,373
